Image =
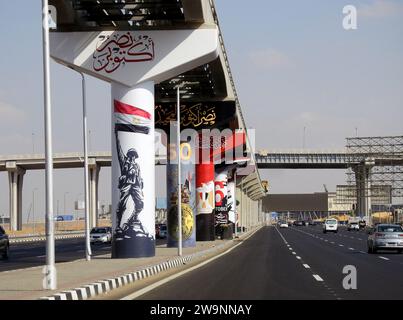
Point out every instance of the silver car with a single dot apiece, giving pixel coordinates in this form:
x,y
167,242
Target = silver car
x,y
101,235
385,237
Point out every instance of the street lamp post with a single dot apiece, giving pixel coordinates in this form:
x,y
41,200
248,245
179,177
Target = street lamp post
x,y
64,202
33,208
50,269
178,137
33,143
87,146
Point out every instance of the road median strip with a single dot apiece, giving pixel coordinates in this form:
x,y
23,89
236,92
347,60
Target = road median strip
x,y
37,239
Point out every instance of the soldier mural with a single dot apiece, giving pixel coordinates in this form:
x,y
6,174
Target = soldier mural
x,y
133,226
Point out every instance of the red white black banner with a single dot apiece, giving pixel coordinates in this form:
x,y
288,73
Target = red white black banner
x,y
131,119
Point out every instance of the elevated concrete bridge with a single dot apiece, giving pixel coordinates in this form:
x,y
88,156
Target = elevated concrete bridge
x,y
321,159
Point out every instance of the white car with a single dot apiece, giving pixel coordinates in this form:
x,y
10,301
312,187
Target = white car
x,y
353,226
283,224
330,225
101,235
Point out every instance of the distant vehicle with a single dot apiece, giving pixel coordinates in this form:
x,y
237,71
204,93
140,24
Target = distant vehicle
x,y
163,233
157,230
101,235
64,218
283,224
385,237
4,244
299,223
362,224
353,226
330,225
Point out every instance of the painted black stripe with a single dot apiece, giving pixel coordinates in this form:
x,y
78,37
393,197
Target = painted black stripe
x,y
132,128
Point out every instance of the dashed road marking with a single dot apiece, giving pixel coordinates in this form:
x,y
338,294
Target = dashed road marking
x,y
317,278
351,249
384,258
306,266
298,257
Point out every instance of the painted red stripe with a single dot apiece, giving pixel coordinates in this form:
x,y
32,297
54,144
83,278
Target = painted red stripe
x,y
128,109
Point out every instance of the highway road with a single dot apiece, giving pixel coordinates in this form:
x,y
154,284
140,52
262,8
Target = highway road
x,y
32,254
293,263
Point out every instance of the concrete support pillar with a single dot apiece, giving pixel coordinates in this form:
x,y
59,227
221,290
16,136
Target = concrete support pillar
x,y
188,197
15,180
133,171
221,199
238,200
93,191
232,202
363,190
205,202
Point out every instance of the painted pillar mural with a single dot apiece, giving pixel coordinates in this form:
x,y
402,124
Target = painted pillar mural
x,y
205,202
231,204
133,158
188,198
221,198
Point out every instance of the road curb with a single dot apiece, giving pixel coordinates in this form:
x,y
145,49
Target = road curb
x,y
103,286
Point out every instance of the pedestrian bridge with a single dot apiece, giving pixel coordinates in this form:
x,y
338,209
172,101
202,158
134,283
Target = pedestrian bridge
x,y
322,159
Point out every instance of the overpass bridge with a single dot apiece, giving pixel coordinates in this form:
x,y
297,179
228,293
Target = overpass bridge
x,y
368,161
322,159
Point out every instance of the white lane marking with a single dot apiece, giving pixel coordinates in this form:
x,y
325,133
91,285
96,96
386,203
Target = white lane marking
x,y
306,266
317,277
332,242
341,245
293,252
298,257
41,256
363,252
359,238
290,248
351,249
138,293
384,258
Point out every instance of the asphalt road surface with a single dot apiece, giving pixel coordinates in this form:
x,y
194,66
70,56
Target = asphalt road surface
x,y
32,254
293,263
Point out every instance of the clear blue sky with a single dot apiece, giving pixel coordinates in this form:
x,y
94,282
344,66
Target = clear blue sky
x,y
294,67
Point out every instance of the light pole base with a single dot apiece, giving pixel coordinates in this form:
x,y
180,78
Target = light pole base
x,y
50,279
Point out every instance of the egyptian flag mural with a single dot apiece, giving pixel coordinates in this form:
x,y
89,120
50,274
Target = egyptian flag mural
x,y
188,200
205,202
221,198
131,119
133,202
